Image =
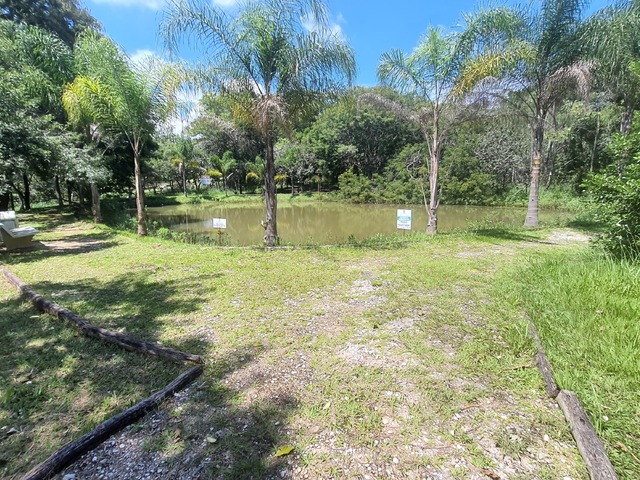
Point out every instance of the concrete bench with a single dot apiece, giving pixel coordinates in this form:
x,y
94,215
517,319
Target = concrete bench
x,y
19,237
9,219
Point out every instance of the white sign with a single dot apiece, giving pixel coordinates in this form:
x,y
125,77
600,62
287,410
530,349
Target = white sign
x,y
404,219
219,223
205,180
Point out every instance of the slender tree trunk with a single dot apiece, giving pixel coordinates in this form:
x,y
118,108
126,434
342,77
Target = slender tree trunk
x,y
184,179
627,118
27,192
625,129
20,196
142,224
550,164
95,203
271,229
69,192
595,143
531,219
432,226
58,191
80,197
4,201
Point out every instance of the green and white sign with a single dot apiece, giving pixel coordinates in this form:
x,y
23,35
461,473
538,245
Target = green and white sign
x,y
404,220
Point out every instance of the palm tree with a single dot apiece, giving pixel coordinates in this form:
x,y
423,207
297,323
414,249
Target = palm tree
x,y
611,36
225,165
256,171
432,72
533,53
268,62
120,99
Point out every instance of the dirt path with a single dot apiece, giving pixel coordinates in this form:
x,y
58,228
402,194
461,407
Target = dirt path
x,y
409,367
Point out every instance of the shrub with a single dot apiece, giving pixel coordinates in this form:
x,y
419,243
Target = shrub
x,y
617,199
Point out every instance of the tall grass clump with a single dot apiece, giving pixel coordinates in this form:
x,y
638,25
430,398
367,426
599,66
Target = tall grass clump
x,y
586,307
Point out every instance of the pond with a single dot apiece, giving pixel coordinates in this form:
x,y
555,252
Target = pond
x,y
329,222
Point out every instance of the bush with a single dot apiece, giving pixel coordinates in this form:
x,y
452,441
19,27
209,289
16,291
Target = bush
x,y
617,199
355,188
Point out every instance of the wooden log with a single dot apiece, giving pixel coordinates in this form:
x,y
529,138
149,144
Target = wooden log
x,y
72,451
90,330
589,444
544,366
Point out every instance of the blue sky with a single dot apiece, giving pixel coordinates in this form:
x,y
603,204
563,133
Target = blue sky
x,y
371,26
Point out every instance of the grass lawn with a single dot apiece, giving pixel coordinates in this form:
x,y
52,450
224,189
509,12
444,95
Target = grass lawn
x,y
389,361
586,308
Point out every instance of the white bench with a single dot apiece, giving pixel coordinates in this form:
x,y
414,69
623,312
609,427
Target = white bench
x,y
9,219
13,235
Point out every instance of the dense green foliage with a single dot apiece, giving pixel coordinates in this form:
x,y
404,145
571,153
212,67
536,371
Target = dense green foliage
x,y
616,192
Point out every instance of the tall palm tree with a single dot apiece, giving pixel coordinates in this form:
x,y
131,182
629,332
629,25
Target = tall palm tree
x,y
432,72
274,58
120,99
611,36
533,52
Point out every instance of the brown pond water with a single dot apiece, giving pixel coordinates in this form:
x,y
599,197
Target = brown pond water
x,y
328,222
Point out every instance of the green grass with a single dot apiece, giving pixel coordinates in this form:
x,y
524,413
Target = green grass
x,y
586,309
371,352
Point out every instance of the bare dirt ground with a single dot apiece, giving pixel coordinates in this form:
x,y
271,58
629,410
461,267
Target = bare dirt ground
x,y
382,375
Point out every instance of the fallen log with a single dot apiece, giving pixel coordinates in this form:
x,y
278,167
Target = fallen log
x,y
589,444
544,366
90,330
70,452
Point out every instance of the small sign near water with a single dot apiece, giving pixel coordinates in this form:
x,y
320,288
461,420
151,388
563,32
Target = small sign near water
x,y
219,223
404,220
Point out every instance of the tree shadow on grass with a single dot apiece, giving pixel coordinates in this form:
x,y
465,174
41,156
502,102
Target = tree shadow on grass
x,y
69,245
60,385
57,385
210,430
133,303
509,234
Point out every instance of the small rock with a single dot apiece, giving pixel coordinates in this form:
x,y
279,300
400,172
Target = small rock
x,y
395,460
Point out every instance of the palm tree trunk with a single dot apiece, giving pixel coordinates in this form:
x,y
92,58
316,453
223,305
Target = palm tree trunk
x,y
271,229
95,203
625,129
432,226
627,118
142,224
531,219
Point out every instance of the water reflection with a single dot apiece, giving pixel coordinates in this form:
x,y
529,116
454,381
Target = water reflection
x,y
328,222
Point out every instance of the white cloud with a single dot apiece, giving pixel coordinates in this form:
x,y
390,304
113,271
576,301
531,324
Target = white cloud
x,y
188,110
333,29
150,4
141,56
225,3
158,4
